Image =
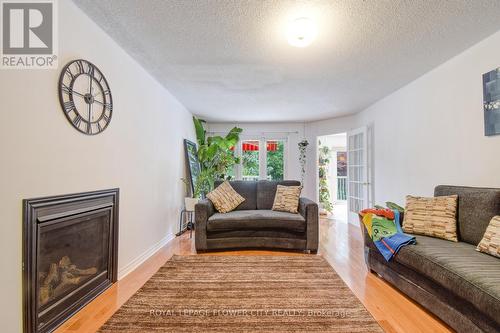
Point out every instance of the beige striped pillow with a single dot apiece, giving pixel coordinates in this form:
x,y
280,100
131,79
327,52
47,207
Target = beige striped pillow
x,y
225,198
287,198
435,217
490,243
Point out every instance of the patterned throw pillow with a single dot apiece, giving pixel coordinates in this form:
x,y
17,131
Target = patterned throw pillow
x,y
491,240
435,217
225,198
287,198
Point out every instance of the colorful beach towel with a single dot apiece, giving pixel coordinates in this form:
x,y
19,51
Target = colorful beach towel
x,y
389,246
386,233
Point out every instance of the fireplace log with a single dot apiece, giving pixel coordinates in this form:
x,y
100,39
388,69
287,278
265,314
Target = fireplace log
x,y
77,271
52,276
67,279
60,276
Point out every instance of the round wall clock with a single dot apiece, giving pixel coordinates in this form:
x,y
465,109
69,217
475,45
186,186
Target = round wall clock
x,y
85,97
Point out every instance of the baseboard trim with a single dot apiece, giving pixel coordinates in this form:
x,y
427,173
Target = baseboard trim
x,y
122,272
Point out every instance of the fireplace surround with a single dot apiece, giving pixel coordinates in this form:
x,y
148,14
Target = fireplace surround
x,y
70,247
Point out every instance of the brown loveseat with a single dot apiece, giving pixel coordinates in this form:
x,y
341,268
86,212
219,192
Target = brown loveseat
x,y
451,279
253,224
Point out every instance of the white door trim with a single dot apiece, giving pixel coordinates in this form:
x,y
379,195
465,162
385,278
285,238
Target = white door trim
x,y
358,166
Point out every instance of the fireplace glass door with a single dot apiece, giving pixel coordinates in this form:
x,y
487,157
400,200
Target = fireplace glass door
x,y
71,252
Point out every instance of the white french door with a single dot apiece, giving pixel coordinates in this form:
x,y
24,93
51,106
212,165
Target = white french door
x,y
358,189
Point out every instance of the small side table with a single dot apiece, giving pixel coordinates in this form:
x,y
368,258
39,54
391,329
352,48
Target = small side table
x,y
190,224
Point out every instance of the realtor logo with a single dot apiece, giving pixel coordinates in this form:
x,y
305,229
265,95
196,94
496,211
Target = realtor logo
x,y
28,34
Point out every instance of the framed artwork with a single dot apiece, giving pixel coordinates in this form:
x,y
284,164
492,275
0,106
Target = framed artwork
x,y
491,102
192,163
341,164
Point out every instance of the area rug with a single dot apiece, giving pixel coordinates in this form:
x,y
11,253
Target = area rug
x,y
243,294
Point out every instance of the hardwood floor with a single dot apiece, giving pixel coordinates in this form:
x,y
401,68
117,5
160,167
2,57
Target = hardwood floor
x,y
340,243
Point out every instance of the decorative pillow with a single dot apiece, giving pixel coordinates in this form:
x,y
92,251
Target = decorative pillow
x,y
225,198
287,198
435,217
490,243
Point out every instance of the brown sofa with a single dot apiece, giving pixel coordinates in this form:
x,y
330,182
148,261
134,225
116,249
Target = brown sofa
x,y
451,279
253,224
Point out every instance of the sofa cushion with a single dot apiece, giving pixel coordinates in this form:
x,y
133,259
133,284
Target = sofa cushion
x,y
476,207
490,243
287,199
266,191
255,220
247,189
435,217
225,198
472,275
272,233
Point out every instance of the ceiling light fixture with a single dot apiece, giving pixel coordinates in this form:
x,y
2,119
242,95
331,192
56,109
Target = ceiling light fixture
x,y
301,32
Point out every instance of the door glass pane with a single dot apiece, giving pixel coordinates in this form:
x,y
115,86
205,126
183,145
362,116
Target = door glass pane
x,y
250,159
356,167
275,159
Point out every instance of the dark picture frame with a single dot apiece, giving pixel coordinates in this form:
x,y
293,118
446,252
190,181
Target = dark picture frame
x,y
491,102
192,163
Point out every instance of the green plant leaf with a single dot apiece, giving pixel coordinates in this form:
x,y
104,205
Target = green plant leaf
x,y
200,130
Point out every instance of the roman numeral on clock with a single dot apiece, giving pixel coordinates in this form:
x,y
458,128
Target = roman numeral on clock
x,y
77,120
66,89
69,106
80,66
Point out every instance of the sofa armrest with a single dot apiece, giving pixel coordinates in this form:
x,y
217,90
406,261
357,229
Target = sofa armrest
x,y
202,211
367,241
309,210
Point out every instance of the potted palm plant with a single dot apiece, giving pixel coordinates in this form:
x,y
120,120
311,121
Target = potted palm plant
x,y
216,156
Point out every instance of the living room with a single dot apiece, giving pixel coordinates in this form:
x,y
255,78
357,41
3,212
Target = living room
x,y
165,169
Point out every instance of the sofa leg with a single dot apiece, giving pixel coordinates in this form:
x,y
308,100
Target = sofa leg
x,y
307,251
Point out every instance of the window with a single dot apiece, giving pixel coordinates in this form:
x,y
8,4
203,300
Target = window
x,y
250,159
275,161
261,159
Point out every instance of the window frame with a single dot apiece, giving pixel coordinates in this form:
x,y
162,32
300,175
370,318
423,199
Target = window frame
x,y
238,168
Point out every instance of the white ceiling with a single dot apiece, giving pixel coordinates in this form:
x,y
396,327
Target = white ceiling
x,y
228,60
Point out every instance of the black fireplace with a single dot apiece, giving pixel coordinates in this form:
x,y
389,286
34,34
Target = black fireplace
x,y
69,255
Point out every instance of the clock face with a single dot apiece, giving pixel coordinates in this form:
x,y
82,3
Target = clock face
x,y
85,97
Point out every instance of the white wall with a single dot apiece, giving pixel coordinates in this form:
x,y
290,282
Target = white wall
x,y
140,152
431,131
293,132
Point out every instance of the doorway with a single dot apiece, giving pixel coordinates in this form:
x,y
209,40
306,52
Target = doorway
x,y
332,176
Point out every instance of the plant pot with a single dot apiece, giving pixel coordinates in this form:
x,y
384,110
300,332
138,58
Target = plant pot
x,y
189,203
